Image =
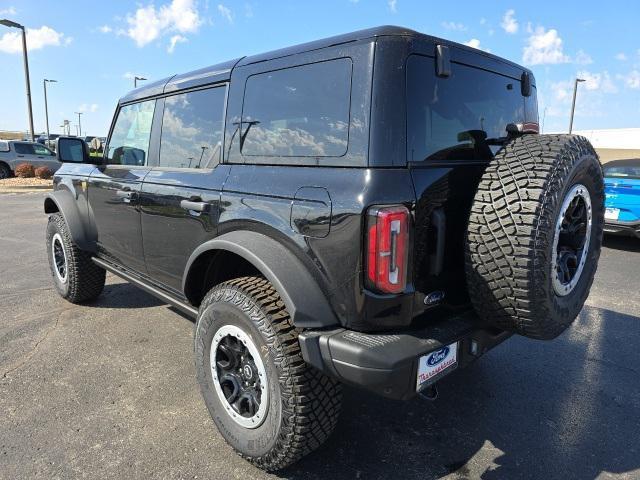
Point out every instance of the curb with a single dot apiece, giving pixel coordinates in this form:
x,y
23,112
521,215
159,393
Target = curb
x,y
25,188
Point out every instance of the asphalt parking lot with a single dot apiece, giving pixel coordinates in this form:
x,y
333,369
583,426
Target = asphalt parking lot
x,y
108,390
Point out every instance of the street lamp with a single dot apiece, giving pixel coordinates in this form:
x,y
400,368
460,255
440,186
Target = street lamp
x,y
46,108
9,23
573,104
135,81
79,123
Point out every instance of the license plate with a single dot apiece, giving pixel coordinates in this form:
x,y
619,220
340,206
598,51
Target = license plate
x,y
611,213
436,364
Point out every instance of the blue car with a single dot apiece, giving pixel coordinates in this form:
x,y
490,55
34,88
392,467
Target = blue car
x,y
622,189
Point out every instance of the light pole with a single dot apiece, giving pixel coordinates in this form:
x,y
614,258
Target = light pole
x,y
9,23
79,123
135,81
573,104
46,108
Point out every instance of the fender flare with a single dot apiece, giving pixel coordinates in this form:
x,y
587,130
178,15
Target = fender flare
x,y
66,204
306,303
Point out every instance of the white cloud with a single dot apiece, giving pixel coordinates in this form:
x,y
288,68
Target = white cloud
x,y
226,13
393,5
8,11
458,27
148,23
105,29
37,38
483,21
544,47
583,58
475,43
598,81
632,80
86,107
621,56
174,41
509,22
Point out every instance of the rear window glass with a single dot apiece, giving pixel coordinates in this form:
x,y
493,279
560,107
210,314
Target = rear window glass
x,y
461,117
298,112
4,146
623,171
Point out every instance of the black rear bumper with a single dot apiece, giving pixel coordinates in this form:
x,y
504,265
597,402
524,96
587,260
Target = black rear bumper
x,y
387,363
622,228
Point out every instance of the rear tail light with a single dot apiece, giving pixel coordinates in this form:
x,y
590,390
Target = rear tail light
x,y
387,247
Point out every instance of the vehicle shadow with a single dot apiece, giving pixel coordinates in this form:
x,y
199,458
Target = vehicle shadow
x,y
529,409
619,242
126,295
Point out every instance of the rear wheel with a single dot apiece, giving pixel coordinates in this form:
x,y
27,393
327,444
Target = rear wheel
x,y
5,171
74,274
534,234
267,403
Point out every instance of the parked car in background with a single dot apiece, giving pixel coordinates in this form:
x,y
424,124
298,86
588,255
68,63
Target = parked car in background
x,y
48,142
15,152
622,189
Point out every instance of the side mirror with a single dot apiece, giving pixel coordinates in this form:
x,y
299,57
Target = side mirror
x,y
72,150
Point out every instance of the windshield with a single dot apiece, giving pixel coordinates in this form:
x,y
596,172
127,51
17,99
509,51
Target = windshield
x,y
623,171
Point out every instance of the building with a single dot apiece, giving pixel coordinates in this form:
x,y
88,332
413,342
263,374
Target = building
x,y
615,143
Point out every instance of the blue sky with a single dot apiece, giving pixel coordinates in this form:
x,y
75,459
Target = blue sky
x,y
94,48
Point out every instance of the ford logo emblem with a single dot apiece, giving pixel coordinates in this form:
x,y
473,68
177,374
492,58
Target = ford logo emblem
x,y
438,356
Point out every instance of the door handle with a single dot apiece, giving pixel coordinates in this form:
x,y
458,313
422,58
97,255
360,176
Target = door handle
x,y
21,156
194,205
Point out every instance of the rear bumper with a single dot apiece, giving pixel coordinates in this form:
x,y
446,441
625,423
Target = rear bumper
x,y
622,228
387,363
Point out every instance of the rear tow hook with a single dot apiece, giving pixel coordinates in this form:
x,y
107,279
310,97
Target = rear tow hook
x,y
430,393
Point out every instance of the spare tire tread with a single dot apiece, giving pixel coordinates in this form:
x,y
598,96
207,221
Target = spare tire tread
x,y
510,229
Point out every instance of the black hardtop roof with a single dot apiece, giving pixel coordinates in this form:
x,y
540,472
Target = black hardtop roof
x,y
222,71
626,162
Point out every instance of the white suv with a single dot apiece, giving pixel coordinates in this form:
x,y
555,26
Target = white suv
x,y
15,152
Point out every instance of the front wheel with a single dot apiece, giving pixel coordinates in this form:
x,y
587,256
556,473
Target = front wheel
x,y
75,276
267,403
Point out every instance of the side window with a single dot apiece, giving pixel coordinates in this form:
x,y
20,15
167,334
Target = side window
x,y
462,117
129,142
42,150
23,148
192,125
298,112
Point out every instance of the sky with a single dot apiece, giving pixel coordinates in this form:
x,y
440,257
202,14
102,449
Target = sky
x,y
93,49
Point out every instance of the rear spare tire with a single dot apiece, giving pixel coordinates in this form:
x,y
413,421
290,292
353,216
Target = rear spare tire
x,y
534,234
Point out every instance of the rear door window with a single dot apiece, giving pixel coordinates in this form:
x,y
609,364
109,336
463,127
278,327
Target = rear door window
x,y
301,111
24,148
192,125
461,117
129,142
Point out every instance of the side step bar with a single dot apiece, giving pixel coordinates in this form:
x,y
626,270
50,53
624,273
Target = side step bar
x,y
155,291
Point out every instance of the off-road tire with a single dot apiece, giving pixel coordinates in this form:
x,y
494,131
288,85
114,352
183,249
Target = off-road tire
x,y
303,405
511,231
5,171
85,280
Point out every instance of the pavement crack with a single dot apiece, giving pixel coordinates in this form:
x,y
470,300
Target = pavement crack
x,y
33,350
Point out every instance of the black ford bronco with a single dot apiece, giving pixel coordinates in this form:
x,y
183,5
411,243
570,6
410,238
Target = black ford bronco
x,y
376,209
